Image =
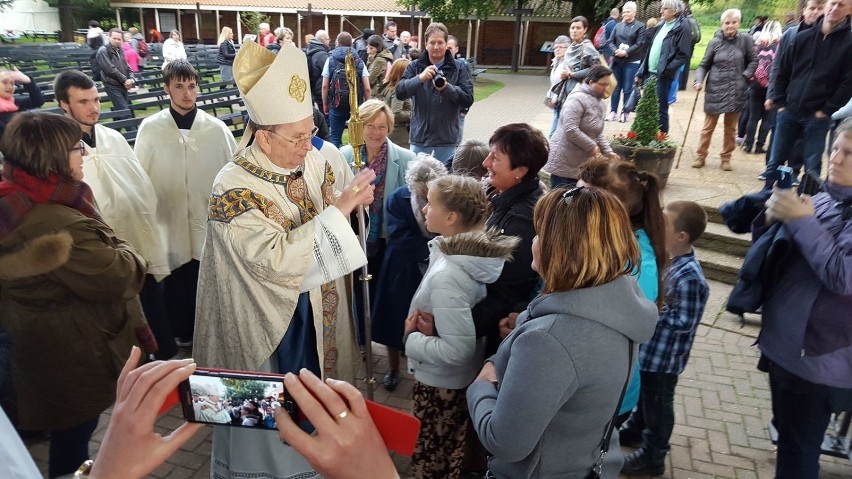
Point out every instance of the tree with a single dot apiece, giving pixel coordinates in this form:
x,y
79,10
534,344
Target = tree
x,y
251,20
75,12
446,12
5,4
241,389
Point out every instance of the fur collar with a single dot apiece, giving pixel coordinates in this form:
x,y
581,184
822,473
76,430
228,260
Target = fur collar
x,y
479,243
39,256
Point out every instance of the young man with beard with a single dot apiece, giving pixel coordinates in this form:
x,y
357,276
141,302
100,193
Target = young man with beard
x,y
182,149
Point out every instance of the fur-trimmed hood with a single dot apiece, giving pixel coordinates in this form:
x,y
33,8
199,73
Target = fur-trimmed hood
x,y
39,256
481,254
483,244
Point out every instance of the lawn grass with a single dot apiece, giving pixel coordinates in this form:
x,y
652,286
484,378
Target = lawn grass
x,y
707,32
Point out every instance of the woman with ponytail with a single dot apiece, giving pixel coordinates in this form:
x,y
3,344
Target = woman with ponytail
x,y
639,192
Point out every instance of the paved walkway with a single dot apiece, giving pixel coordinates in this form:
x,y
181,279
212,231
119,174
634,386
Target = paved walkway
x,y
722,402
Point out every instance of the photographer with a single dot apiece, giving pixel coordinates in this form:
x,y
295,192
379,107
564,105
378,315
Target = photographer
x,y
806,339
441,88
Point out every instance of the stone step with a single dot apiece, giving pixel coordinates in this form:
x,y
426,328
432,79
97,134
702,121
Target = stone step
x,y
719,266
717,237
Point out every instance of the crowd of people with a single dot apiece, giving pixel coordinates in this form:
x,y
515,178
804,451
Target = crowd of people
x,y
545,325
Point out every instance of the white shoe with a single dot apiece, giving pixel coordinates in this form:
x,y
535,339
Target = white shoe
x,y
611,116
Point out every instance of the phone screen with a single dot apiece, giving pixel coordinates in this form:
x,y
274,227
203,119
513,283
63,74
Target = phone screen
x,y
235,399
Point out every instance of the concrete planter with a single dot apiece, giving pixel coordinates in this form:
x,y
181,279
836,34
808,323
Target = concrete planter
x,y
653,160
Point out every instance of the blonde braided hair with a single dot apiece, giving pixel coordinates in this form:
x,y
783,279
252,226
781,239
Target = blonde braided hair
x,y
462,195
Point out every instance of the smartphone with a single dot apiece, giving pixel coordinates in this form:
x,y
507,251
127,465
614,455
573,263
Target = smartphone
x,y
235,398
785,177
398,429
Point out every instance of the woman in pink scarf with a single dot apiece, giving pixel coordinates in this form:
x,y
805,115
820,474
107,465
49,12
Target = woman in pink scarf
x,y
9,103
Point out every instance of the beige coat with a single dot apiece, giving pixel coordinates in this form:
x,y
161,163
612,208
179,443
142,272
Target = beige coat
x,y
69,301
580,130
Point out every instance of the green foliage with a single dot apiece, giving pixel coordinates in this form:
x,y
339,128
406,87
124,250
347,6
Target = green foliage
x,y
645,131
240,390
5,4
251,20
449,11
646,123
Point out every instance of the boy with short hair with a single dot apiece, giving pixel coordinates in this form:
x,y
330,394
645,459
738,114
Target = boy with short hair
x,y
664,357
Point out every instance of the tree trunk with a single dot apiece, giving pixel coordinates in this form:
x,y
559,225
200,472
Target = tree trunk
x,y
66,22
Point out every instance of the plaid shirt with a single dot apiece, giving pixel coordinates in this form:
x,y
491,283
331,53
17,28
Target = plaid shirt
x,y
686,295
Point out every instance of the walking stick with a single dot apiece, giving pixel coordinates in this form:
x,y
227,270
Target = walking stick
x,y
356,139
683,143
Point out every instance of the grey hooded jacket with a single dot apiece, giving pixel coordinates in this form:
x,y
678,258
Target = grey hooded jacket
x,y
560,374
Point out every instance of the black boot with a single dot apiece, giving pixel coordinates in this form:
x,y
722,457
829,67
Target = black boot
x,y
639,463
629,436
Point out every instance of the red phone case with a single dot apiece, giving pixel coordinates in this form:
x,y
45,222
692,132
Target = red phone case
x,y
399,429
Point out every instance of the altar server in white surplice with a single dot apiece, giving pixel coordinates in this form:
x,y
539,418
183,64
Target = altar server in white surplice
x,y
182,149
123,192
271,290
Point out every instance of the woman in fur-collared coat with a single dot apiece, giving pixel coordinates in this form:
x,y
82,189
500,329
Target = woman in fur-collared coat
x,y
68,288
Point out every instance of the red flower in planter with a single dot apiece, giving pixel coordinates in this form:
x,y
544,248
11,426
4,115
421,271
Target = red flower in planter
x,y
661,136
631,135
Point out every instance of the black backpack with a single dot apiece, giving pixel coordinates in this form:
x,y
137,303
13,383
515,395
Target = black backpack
x,y
338,87
96,69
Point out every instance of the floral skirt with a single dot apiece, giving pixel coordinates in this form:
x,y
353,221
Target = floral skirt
x,y
443,415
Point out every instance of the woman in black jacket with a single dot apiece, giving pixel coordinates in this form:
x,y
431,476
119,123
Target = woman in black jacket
x,y
227,52
628,44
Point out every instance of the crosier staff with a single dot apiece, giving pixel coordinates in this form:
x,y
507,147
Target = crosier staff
x,y
356,140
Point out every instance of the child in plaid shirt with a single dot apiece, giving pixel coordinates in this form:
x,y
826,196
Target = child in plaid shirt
x,y
664,357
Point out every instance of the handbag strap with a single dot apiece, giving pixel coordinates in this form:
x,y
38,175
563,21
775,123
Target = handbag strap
x,y
609,428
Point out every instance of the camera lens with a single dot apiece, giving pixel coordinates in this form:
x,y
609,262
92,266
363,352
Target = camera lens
x,y
440,81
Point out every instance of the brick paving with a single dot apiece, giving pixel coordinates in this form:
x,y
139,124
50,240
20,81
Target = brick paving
x,y
722,403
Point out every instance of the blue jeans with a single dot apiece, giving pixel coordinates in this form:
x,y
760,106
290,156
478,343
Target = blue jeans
x,y
625,73
664,86
337,119
555,124
802,410
655,414
69,448
789,126
444,154
675,86
558,181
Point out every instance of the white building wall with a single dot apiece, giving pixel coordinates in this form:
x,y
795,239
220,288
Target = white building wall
x,y
30,15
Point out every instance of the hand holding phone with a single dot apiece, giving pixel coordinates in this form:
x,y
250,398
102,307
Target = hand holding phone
x,y
348,442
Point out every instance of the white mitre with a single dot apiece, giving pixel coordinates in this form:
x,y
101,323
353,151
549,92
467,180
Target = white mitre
x,y
275,87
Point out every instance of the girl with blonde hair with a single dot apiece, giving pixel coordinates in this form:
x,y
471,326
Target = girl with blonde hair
x,y
445,352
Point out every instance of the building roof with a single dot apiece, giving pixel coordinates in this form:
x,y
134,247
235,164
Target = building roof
x,y
543,8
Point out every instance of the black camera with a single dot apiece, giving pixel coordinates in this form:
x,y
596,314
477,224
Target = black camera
x,y
439,80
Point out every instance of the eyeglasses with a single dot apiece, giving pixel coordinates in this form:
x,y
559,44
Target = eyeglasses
x,y
81,148
300,143
569,194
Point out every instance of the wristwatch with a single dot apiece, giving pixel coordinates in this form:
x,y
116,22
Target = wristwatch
x,y
84,469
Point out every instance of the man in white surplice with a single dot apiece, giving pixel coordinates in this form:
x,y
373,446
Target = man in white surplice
x,y
123,192
182,149
271,293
